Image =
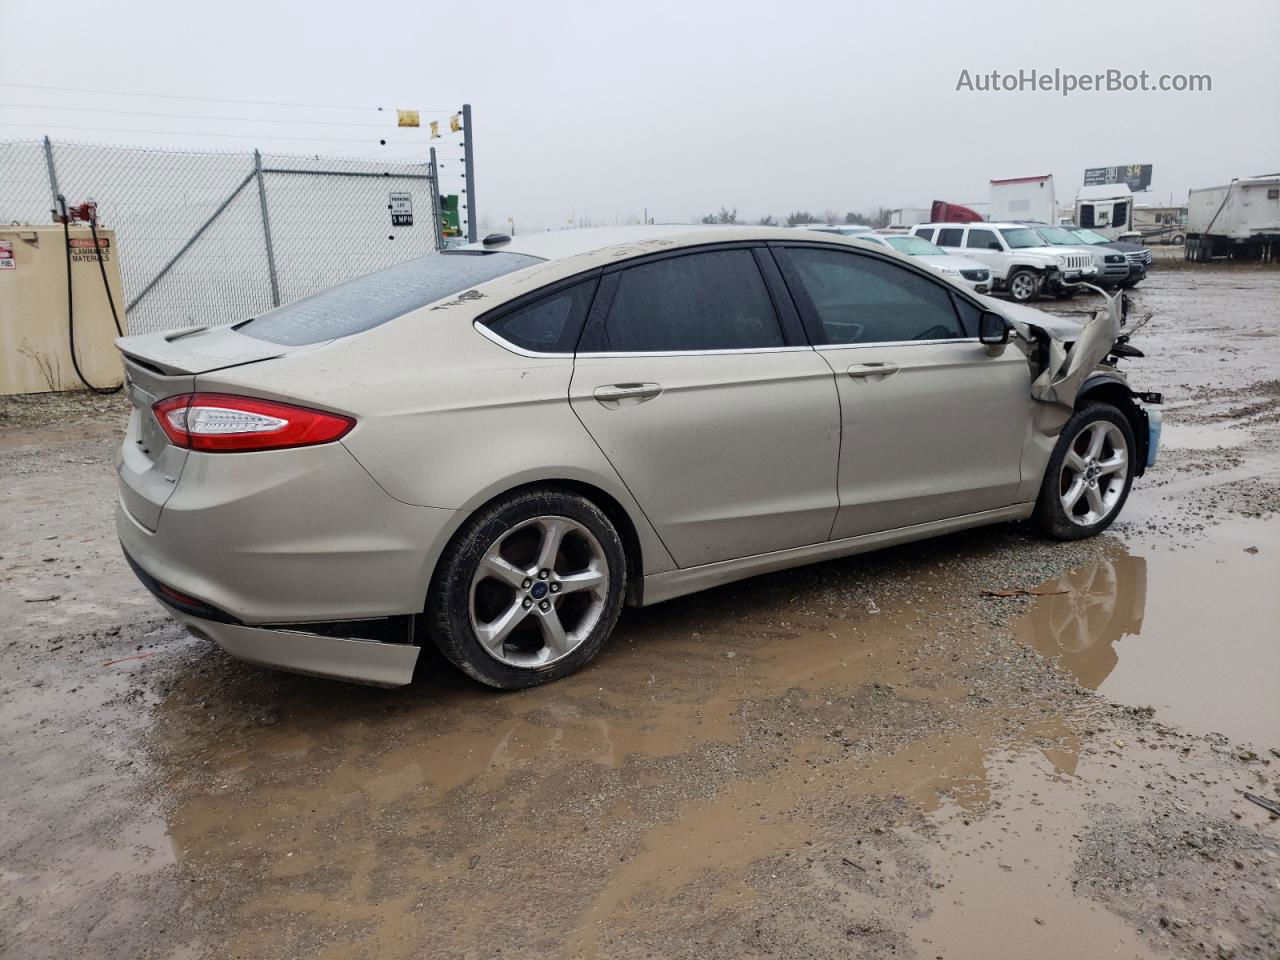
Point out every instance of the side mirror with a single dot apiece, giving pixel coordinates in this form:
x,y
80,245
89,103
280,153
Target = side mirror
x,y
993,329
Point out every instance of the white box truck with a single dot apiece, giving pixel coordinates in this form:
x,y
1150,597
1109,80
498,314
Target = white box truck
x,y
1239,220
1023,198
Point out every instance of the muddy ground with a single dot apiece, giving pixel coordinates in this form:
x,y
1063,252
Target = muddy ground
x,y
865,758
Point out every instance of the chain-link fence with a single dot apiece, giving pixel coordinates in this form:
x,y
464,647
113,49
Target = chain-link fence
x,y
214,238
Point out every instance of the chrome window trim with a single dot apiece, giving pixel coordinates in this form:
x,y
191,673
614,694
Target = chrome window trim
x,y
488,334
894,343
519,351
596,355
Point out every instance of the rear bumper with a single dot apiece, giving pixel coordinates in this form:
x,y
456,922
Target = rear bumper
x,y
360,661
295,649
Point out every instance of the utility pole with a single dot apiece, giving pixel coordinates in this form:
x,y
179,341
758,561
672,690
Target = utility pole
x,y
469,174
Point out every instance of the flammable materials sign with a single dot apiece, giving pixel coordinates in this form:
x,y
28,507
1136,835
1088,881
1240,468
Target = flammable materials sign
x,y
82,249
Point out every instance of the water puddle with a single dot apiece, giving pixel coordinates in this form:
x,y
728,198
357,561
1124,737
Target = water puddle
x,y
1003,881
1193,632
1201,436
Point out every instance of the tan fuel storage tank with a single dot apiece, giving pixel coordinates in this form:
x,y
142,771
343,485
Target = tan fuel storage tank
x,y
35,352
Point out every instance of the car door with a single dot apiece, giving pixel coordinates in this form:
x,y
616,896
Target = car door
x,y
725,430
933,426
983,244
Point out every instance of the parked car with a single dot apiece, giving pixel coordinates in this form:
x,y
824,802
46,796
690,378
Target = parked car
x,y
975,275
843,229
1137,255
1020,263
491,449
1113,267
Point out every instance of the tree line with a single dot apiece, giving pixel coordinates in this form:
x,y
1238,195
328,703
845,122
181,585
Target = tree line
x,y
880,218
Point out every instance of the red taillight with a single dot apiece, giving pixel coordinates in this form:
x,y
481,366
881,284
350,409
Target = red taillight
x,y
223,423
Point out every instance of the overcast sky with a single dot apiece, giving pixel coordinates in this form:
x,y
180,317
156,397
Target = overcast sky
x,y
602,110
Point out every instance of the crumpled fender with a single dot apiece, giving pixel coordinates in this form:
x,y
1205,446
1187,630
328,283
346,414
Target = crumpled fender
x,y
1066,371
1063,376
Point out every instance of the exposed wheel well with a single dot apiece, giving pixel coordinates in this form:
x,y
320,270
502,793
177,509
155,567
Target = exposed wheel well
x,y
1119,396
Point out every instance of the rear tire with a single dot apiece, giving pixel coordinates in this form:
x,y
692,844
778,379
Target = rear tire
x,y
528,590
1089,475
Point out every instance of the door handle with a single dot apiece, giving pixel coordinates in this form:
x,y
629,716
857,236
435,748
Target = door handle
x,y
616,395
872,371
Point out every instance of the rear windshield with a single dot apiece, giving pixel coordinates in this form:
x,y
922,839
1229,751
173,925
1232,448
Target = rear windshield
x,y
915,246
366,302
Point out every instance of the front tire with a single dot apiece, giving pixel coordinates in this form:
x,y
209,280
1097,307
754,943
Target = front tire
x,y
528,590
1089,474
1024,285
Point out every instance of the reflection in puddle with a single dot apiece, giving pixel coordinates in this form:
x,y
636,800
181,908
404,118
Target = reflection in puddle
x,y
1193,632
1100,606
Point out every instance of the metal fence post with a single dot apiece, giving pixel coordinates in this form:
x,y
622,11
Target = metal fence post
x,y
435,201
266,229
53,174
469,172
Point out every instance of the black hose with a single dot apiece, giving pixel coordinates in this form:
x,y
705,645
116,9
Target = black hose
x,y
102,268
71,313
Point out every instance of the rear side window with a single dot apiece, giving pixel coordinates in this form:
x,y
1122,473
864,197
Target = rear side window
x,y
950,236
549,325
702,301
366,302
865,299
982,240
926,232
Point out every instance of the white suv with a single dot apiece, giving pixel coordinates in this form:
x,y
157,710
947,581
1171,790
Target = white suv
x,y
1019,260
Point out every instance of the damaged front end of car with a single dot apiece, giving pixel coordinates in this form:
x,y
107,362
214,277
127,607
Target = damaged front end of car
x,y
1069,372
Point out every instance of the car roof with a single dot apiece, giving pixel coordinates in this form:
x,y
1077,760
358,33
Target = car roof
x,y
563,244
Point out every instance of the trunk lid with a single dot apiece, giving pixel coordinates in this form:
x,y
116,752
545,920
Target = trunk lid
x,y
197,350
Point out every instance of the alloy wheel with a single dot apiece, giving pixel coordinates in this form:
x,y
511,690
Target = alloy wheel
x,y
1023,286
538,591
1094,473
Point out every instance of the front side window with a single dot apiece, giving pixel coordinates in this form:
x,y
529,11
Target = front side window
x,y
549,325
864,299
982,240
1119,214
950,236
925,232
702,301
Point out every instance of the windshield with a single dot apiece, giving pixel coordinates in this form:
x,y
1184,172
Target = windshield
x,y
1088,236
1021,237
366,302
914,246
1056,235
